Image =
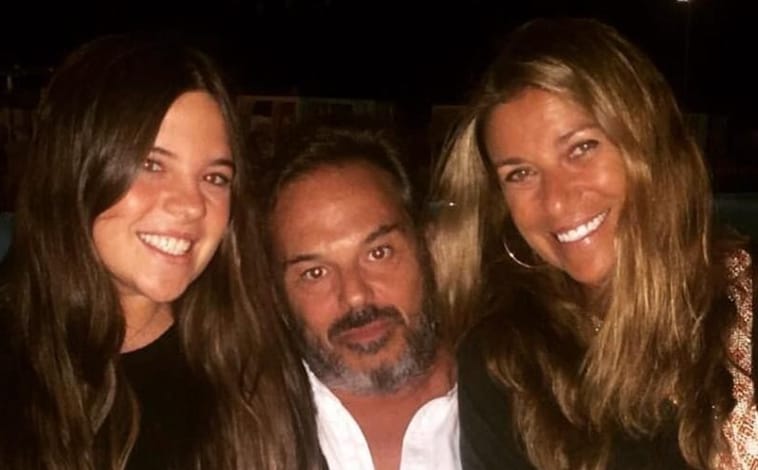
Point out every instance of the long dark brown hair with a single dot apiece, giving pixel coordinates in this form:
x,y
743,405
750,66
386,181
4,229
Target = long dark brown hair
x,y
660,355
65,401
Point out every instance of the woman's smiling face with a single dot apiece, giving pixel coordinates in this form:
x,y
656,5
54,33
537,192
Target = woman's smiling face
x,y
563,179
163,232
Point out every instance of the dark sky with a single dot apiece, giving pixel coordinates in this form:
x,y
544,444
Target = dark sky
x,y
412,51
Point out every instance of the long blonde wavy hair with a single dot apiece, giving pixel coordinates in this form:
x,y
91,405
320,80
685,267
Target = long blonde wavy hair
x,y
659,344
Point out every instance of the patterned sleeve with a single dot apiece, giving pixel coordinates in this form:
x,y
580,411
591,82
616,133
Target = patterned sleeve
x,y
741,427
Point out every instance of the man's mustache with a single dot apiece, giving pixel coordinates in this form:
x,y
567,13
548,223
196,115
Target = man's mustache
x,y
361,317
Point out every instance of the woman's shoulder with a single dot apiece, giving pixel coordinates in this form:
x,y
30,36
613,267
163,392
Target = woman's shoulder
x,y
739,262
740,273
732,267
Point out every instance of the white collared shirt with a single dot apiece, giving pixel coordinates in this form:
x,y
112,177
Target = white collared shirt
x,y
430,442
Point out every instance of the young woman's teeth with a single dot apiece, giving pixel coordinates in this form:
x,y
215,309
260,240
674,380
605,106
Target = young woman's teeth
x,y
169,245
581,231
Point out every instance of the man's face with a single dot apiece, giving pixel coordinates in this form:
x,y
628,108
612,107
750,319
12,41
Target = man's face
x,y
352,277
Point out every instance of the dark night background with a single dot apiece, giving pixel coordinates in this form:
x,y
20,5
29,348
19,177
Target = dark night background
x,y
416,54
391,49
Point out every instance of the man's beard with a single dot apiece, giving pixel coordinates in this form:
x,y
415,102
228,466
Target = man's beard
x,y
419,351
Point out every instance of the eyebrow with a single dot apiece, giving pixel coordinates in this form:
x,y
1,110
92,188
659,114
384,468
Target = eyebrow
x,y
560,140
381,231
222,161
509,161
370,238
583,127
299,259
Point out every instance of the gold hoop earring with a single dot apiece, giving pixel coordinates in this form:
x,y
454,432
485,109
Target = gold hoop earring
x,y
513,256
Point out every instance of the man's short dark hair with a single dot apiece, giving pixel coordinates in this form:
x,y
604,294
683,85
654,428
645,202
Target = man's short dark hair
x,y
311,146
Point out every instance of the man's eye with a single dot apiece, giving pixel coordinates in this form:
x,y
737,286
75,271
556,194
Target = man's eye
x,y
313,274
380,252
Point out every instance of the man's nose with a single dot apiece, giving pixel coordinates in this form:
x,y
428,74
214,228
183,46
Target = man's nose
x,y
356,291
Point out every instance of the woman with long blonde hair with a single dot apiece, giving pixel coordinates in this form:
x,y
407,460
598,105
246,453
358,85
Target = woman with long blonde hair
x,y
615,326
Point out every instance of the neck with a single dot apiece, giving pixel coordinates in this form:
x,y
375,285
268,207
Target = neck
x,y
145,321
384,418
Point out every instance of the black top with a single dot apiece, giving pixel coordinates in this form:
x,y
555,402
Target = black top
x,y
488,440
171,404
487,437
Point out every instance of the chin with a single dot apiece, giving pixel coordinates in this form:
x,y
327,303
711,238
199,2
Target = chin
x,y
166,295
590,279
369,362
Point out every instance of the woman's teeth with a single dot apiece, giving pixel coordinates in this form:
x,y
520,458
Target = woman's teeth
x,y
169,245
583,230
